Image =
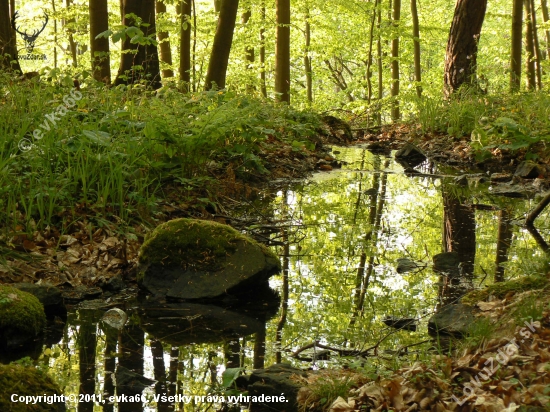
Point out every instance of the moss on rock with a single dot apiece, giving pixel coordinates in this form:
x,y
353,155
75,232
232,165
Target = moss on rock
x,y
191,243
20,312
500,289
25,381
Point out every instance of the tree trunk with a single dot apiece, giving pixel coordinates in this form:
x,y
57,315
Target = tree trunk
x,y
515,58
416,39
70,31
219,58
99,48
263,86
164,45
133,55
536,46
307,60
504,241
54,12
380,67
282,52
530,48
8,44
545,18
369,55
185,44
249,54
395,114
461,54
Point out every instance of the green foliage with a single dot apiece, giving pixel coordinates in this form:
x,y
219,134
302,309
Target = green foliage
x,y
499,290
529,308
480,331
325,388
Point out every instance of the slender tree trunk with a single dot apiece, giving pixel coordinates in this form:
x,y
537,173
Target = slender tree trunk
x,y
307,59
145,56
536,45
194,63
282,52
249,53
259,349
530,48
515,58
54,35
416,37
99,48
380,66
369,55
461,54
70,31
164,45
219,58
185,44
395,113
504,241
8,42
545,18
263,86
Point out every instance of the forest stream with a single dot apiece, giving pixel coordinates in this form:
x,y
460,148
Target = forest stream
x,y
357,245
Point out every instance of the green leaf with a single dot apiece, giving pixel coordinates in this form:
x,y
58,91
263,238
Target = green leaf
x,y
229,376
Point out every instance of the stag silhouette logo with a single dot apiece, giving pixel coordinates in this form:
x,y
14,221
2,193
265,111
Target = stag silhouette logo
x,y
29,39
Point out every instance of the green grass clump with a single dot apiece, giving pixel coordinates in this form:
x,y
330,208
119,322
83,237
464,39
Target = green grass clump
x,y
500,289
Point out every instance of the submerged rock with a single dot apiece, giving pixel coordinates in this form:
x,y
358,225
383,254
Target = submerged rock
x,y
453,320
198,259
22,317
410,156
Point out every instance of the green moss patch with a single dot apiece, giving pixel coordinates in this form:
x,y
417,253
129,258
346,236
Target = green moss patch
x,y
21,311
500,289
25,381
190,243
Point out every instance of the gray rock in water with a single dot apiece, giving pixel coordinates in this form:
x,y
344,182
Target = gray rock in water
x,y
528,170
275,381
410,155
188,259
452,320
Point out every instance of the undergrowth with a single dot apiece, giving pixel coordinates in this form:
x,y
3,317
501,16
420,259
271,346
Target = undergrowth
x,y
118,153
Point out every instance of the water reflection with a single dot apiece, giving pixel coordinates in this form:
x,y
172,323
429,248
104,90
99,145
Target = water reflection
x,y
342,236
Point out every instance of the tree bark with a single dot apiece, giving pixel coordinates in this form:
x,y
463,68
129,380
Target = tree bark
x,y
545,18
99,48
249,53
504,241
515,58
219,58
462,45
133,55
282,52
536,46
164,45
307,60
263,86
395,113
184,9
416,44
530,48
70,31
8,44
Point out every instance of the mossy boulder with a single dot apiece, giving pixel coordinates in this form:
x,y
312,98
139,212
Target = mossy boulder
x,y
196,259
26,381
22,317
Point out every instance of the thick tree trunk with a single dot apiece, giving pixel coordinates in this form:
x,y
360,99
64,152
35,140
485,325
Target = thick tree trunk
x,y
530,48
282,52
184,9
219,58
99,48
164,45
395,113
515,58
133,55
461,54
545,18
8,46
416,39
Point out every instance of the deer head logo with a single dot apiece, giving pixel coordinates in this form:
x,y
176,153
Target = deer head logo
x,y
28,38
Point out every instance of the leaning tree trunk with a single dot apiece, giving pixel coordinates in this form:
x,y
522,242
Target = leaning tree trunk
x,y
219,58
461,54
99,48
515,58
282,52
164,45
142,55
8,46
